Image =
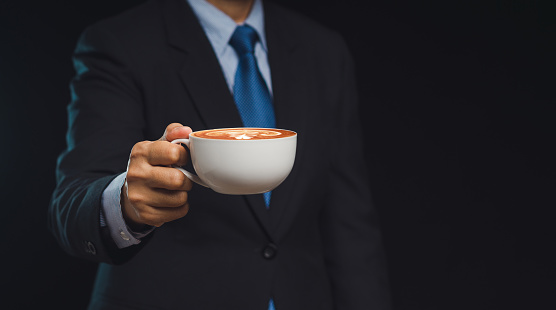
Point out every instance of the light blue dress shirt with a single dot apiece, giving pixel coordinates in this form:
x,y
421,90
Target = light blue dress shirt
x,y
219,28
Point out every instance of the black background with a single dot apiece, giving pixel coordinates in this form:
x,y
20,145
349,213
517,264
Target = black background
x,y
457,102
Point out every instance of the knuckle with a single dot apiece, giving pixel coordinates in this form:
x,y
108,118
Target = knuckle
x,y
184,209
140,149
154,149
150,219
135,198
173,153
182,197
177,179
134,174
158,144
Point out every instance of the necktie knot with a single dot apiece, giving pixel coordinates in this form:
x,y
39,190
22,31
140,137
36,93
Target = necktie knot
x,y
243,40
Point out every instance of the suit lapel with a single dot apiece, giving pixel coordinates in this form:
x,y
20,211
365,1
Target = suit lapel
x,y
198,67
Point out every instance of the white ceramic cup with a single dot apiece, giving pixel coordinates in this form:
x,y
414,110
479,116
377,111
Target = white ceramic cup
x,y
240,165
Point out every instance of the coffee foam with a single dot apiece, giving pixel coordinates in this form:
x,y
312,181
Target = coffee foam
x,y
243,134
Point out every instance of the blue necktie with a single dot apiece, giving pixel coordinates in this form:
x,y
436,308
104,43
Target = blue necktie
x,y
251,94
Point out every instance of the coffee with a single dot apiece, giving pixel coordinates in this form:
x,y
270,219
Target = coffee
x,y
243,134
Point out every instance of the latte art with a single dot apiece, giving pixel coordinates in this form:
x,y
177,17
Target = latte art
x,y
244,134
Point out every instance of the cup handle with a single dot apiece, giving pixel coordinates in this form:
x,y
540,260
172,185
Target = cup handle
x,y
188,174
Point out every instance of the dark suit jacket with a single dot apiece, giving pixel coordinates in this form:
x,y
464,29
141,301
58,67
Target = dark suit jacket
x,y
317,247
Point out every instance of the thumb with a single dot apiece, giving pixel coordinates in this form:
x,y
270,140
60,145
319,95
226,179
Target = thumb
x,y
175,131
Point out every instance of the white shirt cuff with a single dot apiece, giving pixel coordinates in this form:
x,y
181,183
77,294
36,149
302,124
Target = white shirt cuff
x,y
111,216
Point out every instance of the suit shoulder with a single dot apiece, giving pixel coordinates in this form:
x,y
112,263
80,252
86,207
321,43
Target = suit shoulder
x,y
133,25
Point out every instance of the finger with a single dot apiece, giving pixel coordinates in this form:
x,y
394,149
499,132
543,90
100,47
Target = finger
x,y
163,153
175,131
168,178
169,128
158,198
167,199
158,216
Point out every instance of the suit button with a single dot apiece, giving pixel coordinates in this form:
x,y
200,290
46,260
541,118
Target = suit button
x,y
90,248
269,251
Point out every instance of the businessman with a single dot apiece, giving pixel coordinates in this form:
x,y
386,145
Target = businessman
x,y
165,243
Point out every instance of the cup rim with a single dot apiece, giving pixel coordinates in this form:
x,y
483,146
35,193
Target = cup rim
x,y
192,135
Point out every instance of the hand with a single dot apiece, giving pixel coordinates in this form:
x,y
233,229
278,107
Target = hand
x,y
153,192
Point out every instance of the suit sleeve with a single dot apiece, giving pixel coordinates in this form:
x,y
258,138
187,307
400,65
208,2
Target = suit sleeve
x,y
353,248
104,122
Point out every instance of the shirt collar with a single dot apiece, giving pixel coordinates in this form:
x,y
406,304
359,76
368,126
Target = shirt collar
x,y
219,27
